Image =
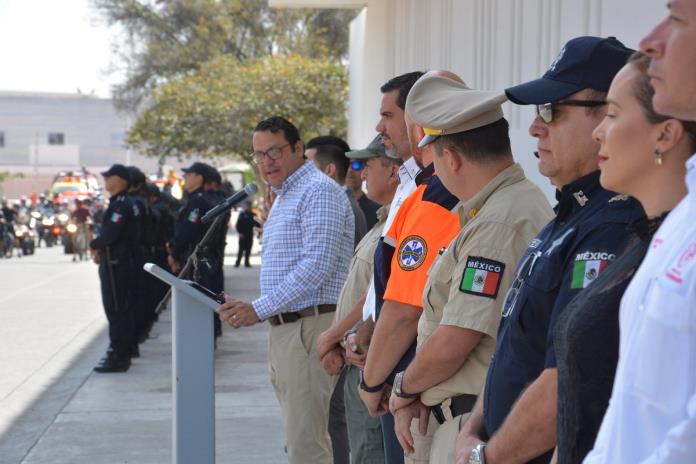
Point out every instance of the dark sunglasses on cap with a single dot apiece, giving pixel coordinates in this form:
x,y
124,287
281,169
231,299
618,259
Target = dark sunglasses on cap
x,y
545,111
357,165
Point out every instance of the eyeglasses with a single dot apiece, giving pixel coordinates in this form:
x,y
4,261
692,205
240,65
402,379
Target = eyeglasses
x,y
357,165
273,153
545,111
524,271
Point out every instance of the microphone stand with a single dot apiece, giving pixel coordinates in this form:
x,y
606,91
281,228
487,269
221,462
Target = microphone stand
x,y
194,260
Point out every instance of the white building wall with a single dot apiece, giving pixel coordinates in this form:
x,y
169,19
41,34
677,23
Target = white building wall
x,y
492,44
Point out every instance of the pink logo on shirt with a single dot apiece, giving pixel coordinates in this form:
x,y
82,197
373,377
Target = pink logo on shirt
x,y
675,273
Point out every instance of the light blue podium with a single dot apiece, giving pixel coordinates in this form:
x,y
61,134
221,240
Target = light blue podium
x,y
193,371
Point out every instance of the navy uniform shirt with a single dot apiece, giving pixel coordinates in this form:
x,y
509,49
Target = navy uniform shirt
x,y
189,229
590,228
119,229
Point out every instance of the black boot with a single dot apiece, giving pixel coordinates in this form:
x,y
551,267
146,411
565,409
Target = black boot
x,y
114,362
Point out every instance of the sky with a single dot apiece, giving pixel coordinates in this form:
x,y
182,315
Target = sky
x,y
54,46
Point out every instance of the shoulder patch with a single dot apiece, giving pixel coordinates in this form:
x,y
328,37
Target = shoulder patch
x,y
587,267
193,216
482,277
116,218
412,252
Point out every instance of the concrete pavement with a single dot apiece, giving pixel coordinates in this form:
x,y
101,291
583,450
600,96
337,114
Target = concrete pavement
x,y
55,409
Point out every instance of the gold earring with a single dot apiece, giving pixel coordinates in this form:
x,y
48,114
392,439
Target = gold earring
x,y
658,157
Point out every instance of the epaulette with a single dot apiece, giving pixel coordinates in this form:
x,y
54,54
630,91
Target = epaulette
x,y
618,198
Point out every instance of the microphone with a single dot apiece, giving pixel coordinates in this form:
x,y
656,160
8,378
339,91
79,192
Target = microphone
x,y
233,200
536,154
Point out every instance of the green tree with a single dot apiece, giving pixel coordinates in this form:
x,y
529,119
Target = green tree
x,y
213,111
166,39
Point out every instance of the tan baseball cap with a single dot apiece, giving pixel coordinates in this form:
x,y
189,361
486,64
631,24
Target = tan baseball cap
x,y
444,106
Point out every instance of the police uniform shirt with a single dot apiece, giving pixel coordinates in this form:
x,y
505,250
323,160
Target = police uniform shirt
x,y
119,227
566,256
467,282
360,270
189,229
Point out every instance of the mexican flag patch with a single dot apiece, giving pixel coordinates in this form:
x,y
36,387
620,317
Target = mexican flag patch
x,y
193,216
587,267
116,218
482,277
585,272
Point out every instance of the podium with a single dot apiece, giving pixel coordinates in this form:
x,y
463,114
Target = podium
x,y
193,370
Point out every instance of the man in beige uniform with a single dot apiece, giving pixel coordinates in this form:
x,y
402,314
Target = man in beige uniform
x,y
381,173
500,212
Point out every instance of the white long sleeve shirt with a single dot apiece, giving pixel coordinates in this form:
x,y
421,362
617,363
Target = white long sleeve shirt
x,y
652,412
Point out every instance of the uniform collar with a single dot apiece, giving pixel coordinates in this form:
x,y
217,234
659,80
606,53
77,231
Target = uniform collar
x,y
425,174
196,192
577,195
408,171
470,208
294,178
119,194
382,213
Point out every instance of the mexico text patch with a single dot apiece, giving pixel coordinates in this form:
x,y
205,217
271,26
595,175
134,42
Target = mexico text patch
x,y
482,277
587,267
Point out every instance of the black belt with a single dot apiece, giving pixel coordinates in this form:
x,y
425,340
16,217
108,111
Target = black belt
x,y
459,405
286,318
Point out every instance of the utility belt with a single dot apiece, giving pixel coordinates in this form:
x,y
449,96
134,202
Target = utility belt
x,y
459,405
287,318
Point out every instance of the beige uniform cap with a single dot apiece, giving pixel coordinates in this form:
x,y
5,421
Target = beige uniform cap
x,y
444,106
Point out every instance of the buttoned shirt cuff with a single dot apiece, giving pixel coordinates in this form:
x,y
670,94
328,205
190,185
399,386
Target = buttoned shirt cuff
x,y
264,307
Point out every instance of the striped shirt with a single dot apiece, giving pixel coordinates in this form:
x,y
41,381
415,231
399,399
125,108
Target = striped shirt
x,y
307,244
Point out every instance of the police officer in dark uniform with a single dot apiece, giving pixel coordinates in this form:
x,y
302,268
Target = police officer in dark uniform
x,y
140,294
114,250
245,228
163,220
213,276
516,414
189,229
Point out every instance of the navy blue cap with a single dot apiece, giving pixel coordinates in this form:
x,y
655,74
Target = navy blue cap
x,y
118,170
583,63
199,168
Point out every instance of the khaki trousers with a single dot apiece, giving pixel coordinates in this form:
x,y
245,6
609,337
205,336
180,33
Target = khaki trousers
x,y
303,388
422,444
437,447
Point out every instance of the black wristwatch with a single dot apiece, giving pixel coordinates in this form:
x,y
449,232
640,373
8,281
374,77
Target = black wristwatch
x,y
398,390
367,388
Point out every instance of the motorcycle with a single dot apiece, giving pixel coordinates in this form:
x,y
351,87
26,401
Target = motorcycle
x,y
77,239
25,239
50,231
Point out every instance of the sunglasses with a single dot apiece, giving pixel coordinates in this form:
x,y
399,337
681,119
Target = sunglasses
x,y
357,165
545,111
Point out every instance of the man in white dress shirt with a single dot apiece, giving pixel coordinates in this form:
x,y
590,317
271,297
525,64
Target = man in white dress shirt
x,y
652,411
